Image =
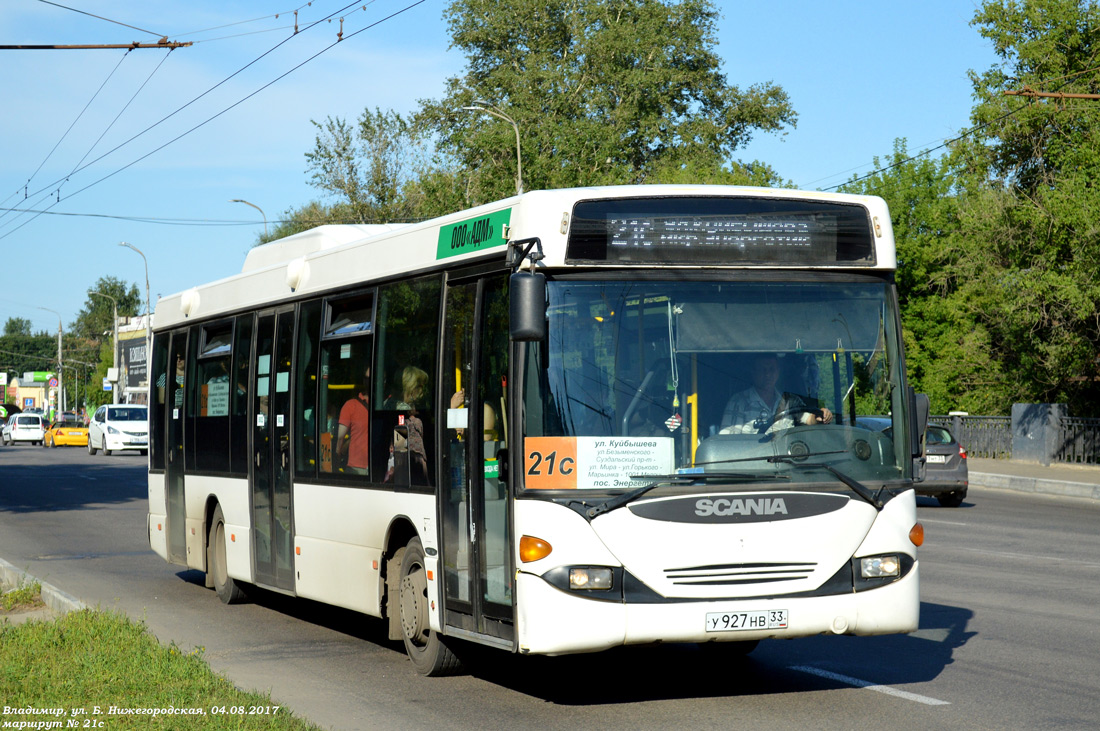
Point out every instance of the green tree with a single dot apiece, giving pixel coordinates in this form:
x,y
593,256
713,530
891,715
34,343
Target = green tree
x,y
947,350
95,318
629,91
21,352
1029,204
368,167
89,345
17,326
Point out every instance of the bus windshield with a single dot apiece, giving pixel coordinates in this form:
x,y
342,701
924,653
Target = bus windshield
x,y
640,380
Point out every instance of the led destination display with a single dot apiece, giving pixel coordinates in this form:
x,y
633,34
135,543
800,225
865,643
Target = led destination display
x,y
720,231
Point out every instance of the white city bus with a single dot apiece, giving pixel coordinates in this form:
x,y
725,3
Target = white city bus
x,y
558,423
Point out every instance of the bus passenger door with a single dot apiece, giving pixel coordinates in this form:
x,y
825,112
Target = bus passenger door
x,y
477,571
272,530
173,384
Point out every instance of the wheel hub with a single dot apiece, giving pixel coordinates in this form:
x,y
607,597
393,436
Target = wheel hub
x,y
414,617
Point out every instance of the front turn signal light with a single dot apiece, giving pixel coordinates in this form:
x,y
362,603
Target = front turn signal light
x,y
533,549
916,534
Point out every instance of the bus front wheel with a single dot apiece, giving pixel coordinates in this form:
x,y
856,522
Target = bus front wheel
x,y
429,655
229,591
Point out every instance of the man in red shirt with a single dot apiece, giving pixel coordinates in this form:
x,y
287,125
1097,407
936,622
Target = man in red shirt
x,y
352,433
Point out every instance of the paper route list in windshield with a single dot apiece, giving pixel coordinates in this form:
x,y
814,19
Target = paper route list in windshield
x,y
599,463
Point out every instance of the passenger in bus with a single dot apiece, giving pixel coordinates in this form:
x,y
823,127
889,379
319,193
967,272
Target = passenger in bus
x,y
413,387
181,369
489,425
762,408
353,428
409,436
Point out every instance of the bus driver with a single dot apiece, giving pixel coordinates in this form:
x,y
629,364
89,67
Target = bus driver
x,y
762,408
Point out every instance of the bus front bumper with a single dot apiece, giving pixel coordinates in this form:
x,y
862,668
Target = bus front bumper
x,y
554,622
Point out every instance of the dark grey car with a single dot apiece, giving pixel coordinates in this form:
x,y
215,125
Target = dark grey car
x,y
946,475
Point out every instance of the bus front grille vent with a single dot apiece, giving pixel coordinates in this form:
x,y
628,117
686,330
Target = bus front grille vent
x,y
740,573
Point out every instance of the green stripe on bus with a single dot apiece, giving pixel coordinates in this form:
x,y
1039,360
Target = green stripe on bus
x,y
473,234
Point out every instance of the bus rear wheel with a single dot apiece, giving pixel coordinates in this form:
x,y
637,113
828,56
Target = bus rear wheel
x,y
229,591
429,655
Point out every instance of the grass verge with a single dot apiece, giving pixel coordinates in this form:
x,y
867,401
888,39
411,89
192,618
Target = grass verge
x,y
24,596
102,670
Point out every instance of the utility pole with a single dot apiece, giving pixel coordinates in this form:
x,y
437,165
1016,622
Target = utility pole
x,y
60,381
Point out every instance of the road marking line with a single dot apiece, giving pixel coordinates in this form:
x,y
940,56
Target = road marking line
x,y
942,522
869,685
1029,556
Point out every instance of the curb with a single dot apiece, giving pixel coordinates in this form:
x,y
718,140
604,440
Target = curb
x,y
1035,485
57,600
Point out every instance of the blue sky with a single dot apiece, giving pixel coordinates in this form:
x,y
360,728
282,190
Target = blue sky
x,y
859,74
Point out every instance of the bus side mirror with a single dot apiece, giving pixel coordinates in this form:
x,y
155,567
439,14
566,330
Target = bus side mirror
x,y
527,306
919,408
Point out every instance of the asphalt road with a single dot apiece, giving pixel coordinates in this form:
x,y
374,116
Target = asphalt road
x,y
1008,638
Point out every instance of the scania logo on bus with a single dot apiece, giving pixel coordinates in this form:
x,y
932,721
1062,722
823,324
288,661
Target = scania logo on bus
x,y
739,507
722,506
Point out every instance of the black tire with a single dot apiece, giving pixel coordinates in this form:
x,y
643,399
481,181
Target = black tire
x,y
91,449
143,452
106,452
427,650
951,499
229,591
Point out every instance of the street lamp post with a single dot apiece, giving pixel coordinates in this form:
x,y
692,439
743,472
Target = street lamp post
x,y
238,200
148,313
60,382
480,105
114,343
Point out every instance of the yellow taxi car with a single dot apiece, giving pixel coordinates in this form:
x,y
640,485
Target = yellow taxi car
x,y
66,432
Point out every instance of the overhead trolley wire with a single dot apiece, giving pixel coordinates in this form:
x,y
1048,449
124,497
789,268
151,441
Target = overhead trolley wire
x,y
257,32
242,22
184,106
63,136
120,113
963,135
149,219
23,211
243,99
340,39
99,17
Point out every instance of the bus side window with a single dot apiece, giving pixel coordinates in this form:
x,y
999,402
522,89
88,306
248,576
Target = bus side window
x,y
403,423
306,416
344,404
239,427
157,413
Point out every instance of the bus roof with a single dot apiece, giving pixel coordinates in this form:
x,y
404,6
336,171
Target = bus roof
x,y
338,256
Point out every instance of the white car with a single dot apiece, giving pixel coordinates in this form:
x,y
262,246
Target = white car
x,y
24,428
119,426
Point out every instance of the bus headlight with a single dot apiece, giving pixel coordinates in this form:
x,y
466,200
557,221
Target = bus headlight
x,y
589,578
877,567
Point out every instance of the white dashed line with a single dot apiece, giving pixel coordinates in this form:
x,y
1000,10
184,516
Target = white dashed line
x,y
856,682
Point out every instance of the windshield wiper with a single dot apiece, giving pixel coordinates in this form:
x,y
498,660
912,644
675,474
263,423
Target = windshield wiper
x,y
685,478
856,487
